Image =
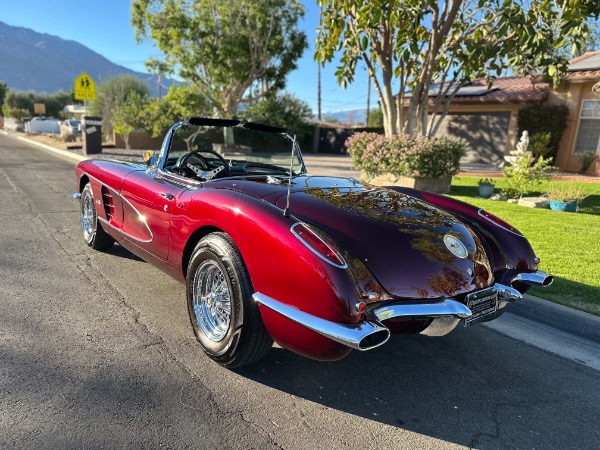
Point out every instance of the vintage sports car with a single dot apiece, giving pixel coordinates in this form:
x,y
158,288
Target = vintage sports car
x,y
320,265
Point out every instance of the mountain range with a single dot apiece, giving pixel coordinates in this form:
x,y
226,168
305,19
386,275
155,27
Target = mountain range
x,y
40,62
32,61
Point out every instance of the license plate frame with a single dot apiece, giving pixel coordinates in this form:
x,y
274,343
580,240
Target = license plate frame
x,y
483,305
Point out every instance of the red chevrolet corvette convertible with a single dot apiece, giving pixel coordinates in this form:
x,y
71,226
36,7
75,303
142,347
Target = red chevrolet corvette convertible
x,y
321,265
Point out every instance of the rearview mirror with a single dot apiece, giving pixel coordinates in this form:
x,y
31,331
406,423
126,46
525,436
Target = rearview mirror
x,y
148,156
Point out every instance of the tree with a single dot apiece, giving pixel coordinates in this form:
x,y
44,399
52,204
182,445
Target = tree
x,y
112,92
410,44
180,103
592,40
20,104
588,42
375,118
228,49
127,115
282,110
3,89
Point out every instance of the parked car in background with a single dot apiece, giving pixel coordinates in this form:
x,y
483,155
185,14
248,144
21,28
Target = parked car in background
x,y
70,129
11,124
39,125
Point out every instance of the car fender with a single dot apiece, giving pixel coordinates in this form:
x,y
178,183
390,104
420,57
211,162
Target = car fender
x,y
278,263
108,175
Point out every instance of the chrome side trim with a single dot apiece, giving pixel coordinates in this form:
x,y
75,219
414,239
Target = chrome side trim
x,y
362,336
139,216
445,308
124,233
538,278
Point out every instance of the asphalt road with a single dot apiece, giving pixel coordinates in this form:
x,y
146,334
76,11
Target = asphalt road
x,y
96,352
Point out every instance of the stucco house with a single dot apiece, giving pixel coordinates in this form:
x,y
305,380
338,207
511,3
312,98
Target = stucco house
x,y
487,115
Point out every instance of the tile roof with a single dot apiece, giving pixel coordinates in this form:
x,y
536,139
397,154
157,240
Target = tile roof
x,y
589,72
505,90
582,57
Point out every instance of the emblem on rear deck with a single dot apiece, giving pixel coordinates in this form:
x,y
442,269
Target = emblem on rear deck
x,y
456,247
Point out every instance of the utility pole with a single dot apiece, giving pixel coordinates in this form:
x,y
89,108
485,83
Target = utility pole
x,y
368,99
159,86
319,80
319,92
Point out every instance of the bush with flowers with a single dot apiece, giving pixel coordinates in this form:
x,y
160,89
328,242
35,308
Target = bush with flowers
x,y
406,155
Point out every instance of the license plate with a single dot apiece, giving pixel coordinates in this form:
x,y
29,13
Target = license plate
x,y
484,306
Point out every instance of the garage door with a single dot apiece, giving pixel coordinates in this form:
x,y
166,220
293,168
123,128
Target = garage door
x,y
486,134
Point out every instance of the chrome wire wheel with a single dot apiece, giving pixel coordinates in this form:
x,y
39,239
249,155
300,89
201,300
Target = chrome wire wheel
x,y
226,320
87,216
211,301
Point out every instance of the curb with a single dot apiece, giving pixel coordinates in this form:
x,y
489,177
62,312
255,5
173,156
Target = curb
x,y
63,153
571,321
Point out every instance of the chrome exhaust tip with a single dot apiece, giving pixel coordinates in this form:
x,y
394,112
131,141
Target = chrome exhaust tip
x,y
361,336
537,278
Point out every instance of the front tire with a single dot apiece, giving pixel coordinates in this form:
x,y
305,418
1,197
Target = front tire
x,y
225,318
93,233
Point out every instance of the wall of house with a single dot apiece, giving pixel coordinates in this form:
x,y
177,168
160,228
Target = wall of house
x,y
138,140
572,94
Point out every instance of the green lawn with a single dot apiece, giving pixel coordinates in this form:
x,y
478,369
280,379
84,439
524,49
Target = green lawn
x,y
568,244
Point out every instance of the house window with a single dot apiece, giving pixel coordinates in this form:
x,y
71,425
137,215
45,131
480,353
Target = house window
x,y
588,136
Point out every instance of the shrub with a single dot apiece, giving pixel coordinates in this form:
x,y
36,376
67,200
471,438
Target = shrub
x,y
586,159
406,155
486,181
539,144
524,174
539,118
565,192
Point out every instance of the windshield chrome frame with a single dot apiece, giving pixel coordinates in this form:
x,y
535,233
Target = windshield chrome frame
x,y
162,157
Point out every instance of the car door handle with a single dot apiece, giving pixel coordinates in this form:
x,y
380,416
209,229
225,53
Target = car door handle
x,y
167,195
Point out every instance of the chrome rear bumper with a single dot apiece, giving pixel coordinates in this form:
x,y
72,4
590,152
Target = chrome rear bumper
x,y
371,333
360,336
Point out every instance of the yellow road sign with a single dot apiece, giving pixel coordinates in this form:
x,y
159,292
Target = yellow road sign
x,y
85,88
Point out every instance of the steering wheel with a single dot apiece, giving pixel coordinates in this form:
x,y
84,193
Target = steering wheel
x,y
195,162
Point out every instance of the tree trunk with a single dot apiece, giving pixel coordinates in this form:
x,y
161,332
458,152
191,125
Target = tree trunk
x,y
388,105
231,109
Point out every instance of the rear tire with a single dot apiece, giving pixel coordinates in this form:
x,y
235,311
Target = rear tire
x,y
93,233
226,320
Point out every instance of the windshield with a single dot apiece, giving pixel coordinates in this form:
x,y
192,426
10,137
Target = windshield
x,y
196,151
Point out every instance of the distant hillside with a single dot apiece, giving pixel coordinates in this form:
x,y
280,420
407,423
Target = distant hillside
x,y
349,117
32,61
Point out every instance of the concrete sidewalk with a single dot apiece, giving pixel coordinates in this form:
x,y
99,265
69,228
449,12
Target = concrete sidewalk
x,y
578,336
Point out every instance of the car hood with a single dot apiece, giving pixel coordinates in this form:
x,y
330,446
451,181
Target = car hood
x,y
405,242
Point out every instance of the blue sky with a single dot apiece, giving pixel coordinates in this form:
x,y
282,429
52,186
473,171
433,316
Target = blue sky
x,y
104,26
